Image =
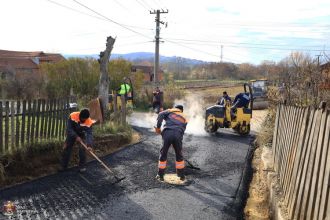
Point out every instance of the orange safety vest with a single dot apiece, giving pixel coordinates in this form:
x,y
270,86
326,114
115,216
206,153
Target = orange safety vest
x,y
74,116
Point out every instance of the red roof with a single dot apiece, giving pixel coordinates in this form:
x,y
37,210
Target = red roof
x,y
26,60
18,63
52,57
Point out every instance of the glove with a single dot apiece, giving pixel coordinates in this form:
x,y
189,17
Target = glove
x,y
89,147
157,130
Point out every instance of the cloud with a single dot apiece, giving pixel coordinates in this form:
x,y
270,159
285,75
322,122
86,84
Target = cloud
x,y
43,25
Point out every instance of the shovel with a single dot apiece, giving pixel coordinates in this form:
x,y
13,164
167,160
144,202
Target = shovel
x,y
191,166
118,179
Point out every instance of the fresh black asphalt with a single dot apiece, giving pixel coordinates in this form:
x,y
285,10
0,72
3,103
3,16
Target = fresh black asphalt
x,y
215,191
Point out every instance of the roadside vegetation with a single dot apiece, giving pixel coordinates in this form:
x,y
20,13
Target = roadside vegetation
x,y
43,158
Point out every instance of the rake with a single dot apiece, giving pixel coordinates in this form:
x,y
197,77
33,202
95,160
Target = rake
x,y
118,179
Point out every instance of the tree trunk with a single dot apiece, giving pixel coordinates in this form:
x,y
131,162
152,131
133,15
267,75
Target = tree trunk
x,y
104,76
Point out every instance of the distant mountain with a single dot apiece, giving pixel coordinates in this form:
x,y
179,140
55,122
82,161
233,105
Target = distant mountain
x,y
142,56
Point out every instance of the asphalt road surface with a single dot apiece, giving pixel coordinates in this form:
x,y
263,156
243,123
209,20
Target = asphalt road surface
x,y
215,191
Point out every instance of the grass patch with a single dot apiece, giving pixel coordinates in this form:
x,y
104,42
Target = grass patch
x,y
110,128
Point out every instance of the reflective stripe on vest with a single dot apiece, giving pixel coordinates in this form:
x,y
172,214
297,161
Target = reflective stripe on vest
x,y
178,115
124,88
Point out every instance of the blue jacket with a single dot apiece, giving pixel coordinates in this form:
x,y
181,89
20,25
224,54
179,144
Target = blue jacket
x,y
223,99
242,100
174,120
75,128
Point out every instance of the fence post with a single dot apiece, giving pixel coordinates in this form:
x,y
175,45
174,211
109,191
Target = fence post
x,y
2,150
115,107
28,132
123,109
57,117
324,197
7,127
33,121
49,126
18,111
43,112
37,136
23,123
275,135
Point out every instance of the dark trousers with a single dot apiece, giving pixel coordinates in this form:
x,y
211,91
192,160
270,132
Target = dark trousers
x,y
174,138
66,155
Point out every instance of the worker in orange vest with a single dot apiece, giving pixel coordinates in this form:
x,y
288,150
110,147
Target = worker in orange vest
x,y
172,134
79,127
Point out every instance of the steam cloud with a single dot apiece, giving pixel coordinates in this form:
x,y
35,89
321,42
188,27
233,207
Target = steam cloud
x,y
193,109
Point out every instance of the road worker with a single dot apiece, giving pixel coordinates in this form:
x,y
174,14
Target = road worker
x,y
172,134
225,98
157,103
124,88
79,128
240,101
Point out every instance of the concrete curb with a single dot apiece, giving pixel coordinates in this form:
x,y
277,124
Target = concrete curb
x,y
277,212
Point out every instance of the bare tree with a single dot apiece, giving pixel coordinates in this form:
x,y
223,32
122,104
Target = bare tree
x,y
104,76
301,77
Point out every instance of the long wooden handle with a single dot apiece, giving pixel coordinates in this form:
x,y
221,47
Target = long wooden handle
x,y
97,158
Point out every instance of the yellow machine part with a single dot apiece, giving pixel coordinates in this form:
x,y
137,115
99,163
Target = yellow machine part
x,y
241,123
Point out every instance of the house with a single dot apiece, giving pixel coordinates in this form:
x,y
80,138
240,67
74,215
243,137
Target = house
x,y
325,69
25,62
148,72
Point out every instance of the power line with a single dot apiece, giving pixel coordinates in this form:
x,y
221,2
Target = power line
x,y
115,22
157,4
100,18
121,5
143,6
262,24
194,49
161,4
121,45
290,29
146,3
134,43
228,42
276,48
231,44
72,9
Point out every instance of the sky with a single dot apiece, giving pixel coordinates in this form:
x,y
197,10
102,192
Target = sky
x,y
236,31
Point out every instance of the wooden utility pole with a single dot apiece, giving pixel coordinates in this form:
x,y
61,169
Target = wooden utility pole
x,y
104,75
158,21
221,54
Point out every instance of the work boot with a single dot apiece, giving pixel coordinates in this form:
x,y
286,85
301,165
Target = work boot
x,y
182,177
180,174
160,177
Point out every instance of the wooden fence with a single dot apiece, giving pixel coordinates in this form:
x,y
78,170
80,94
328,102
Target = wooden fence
x,y
301,150
23,123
